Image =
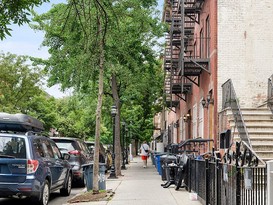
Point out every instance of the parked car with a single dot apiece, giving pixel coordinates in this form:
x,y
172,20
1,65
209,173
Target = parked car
x,y
105,155
30,165
79,155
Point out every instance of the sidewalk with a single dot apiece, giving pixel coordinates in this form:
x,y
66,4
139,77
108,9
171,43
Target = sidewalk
x,y
141,186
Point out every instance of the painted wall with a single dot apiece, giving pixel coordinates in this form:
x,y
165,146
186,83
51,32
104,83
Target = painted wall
x,y
245,49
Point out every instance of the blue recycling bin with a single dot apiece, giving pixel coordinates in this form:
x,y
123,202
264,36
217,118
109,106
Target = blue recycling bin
x,y
155,160
153,157
88,174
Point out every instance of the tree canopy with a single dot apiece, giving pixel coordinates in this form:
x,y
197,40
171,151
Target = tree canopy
x,y
19,82
104,50
15,12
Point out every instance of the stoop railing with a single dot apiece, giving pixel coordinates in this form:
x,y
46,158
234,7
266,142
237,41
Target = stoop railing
x,y
229,99
270,93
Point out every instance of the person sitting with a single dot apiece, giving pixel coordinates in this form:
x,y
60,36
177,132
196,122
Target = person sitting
x,y
8,149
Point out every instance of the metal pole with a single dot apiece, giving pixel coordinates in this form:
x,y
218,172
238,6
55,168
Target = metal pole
x,y
207,182
126,148
269,182
113,168
238,177
123,143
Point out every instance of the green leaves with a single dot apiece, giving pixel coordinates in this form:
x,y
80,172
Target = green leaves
x,y
19,82
15,12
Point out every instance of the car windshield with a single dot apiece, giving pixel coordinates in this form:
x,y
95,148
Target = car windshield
x,y
12,147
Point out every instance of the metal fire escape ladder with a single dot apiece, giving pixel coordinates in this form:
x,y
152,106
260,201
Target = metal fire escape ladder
x,y
192,65
176,33
169,64
181,67
181,54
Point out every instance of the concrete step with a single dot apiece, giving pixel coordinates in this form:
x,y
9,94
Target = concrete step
x,y
260,129
255,122
261,142
264,154
256,136
262,148
252,111
259,125
254,117
267,159
256,129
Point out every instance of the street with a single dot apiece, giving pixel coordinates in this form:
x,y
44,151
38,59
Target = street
x,y
55,198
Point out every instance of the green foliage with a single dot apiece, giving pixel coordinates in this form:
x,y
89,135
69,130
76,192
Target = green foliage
x,y
19,83
43,107
15,12
139,100
132,29
73,44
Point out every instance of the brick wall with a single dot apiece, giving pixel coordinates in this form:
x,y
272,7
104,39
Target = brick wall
x,y
245,49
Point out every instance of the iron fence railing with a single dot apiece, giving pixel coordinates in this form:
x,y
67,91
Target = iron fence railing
x,y
270,93
229,99
240,181
228,184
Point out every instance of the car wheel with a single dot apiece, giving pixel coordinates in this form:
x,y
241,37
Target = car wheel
x,y
67,188
44,197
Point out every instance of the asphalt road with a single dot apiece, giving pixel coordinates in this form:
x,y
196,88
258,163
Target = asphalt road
x,y
55,198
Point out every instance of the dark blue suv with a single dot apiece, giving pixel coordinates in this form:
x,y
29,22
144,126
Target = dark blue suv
x,y
30,165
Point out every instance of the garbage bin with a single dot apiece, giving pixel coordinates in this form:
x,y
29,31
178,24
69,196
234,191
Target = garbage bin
x,y
164,160
153,157
88,174
158,163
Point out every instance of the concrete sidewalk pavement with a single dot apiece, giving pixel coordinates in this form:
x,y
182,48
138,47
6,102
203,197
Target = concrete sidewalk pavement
x,y
141,186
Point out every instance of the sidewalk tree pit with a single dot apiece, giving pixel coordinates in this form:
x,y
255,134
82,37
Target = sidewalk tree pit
x,y
104,195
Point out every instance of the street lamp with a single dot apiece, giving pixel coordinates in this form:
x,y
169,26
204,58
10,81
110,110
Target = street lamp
x,y
113,169
123,145
126,150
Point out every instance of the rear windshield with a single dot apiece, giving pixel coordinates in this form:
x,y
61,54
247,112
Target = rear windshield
x,y
66,144
13,147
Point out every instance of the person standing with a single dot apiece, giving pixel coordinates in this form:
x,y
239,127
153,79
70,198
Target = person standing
x,y
144,153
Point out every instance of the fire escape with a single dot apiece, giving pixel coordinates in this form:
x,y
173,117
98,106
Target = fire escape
x,y
182,65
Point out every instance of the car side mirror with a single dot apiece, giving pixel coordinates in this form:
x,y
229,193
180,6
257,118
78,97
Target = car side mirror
x,y
66,156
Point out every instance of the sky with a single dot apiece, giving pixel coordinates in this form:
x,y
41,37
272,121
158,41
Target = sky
x,y
25,41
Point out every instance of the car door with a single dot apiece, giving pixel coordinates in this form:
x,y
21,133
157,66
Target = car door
x,y
62,164
56,168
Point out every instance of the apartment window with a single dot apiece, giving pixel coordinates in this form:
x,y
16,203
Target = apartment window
x,y
201,43
201,120
195,50
207,37
194,122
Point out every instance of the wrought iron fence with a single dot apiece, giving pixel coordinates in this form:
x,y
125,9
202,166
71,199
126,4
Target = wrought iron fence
x,y
229,99
240,181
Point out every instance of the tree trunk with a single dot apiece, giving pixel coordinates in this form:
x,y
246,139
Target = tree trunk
x,y
117,130
98,118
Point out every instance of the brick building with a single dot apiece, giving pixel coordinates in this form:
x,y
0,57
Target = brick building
x,y
208,43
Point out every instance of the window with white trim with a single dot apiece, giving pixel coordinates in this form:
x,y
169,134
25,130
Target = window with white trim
x,y
201,120
194,122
